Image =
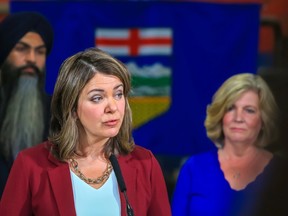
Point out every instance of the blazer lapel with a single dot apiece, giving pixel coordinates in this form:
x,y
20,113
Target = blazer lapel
x,y
62,187
129,173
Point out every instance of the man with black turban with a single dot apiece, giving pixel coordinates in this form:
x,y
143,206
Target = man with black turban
x,y
26,39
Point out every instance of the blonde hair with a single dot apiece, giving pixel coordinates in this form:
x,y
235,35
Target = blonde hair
x,y
226,96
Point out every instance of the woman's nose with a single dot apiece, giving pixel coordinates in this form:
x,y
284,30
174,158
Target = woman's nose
x,y
238,116
111,105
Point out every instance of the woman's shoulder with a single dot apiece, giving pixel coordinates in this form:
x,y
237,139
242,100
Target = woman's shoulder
x,y
277,165
206,160
39,155
37,150
205,156
139,155
141,152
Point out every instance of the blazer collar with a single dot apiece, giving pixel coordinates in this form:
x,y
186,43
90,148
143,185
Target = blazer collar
x,y
62,186
129,173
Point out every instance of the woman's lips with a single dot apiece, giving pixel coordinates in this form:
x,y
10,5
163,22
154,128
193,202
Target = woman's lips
x,y
111,123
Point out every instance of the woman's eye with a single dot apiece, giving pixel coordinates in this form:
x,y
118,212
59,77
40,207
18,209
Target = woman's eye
x,y
119,95
250,110
96,99
230,108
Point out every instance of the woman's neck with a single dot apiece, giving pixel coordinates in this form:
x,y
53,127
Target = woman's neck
x,y
91,149
241,166
238,151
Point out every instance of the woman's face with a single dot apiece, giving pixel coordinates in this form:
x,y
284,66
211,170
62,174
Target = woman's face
x,y
242,121
101,107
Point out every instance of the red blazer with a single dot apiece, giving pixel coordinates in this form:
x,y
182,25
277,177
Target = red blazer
x,y
39,184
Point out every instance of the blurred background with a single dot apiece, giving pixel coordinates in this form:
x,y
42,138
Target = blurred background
x,y
179,53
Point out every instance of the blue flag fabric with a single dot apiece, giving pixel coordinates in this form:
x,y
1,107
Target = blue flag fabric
x,y
210,42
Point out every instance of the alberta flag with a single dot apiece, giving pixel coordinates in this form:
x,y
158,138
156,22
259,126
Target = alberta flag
x,y
178,53
138,45
135,41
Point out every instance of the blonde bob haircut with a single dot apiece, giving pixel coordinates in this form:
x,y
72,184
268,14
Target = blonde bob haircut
x,y
227,95
75,72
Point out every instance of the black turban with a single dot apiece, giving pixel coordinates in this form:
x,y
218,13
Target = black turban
x,y
15,26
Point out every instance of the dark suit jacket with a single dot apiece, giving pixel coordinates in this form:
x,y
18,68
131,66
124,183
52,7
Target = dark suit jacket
x,y
39,184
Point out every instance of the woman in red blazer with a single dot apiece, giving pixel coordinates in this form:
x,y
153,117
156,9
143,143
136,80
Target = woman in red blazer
x,y
90,123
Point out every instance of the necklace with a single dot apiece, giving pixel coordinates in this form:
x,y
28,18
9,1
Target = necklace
x,y
241,168
99,180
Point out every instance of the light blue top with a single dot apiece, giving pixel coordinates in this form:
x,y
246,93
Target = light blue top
x,y
90,201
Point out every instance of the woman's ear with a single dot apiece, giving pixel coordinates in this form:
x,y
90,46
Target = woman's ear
x,y
74,113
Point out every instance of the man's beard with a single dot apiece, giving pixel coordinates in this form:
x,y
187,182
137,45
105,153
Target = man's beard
x,y
23,123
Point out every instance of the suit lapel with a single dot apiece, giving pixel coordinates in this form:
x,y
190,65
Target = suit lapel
x,y
62,187
129,172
